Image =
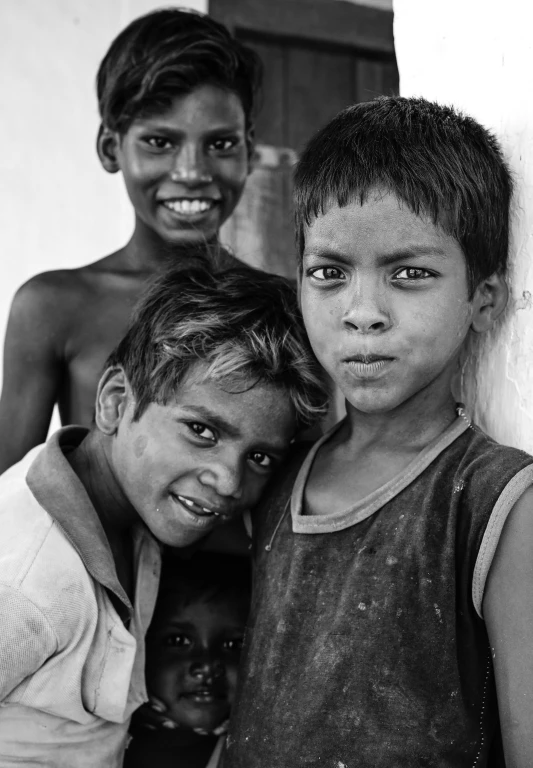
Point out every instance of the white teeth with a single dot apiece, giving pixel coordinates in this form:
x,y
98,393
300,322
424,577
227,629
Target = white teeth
x,y
193,505
188,207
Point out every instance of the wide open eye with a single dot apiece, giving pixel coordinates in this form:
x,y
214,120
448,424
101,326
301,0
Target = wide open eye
x,y
412,273
178,641
234,645
158,142
224,143
327,273
261,459
201,431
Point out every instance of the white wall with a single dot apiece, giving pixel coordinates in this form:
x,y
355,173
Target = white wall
x,y
58,208
478,56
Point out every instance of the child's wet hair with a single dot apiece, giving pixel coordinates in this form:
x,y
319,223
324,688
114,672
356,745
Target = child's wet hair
x,y
205,577
166,54
244,325
436,160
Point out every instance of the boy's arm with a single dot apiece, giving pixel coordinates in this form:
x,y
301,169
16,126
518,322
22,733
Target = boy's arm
x,y
508,612
32,370
26,639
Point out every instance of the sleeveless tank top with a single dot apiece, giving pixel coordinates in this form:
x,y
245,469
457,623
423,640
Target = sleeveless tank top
x,y
366,646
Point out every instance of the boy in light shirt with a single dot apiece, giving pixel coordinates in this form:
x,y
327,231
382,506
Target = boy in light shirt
x,y
195,409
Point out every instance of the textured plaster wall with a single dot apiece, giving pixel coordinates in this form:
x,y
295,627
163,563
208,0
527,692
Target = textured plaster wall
x,y
58,208
478,56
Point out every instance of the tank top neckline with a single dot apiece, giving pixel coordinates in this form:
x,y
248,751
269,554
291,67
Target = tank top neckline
x,y
367,506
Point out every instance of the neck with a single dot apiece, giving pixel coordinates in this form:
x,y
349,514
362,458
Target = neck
x,y
410,427
147,252
90,461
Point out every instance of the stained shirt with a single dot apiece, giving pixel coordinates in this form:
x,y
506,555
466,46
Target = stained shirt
x,y
366,645
71,643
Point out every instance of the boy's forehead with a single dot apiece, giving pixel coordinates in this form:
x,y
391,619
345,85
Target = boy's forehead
x,y
177,607
381,221
211,103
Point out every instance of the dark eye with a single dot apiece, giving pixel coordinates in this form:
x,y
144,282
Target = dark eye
x,y
328,273
178,641
224,144
234,645
261,459
412,273
158,142
200,430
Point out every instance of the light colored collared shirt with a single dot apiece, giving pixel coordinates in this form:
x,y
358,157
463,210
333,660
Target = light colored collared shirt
x,y
71,643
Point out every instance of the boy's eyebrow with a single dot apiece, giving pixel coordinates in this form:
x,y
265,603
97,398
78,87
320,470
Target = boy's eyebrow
x,y
412,252
214,419
162,125
409,252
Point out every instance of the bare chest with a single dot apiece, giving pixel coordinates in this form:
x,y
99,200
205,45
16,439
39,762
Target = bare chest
x,y
98,325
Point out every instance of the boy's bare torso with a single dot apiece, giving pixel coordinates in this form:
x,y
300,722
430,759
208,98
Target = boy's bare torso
x,y
62,327
93,310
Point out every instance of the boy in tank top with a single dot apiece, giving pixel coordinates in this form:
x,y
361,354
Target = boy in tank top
x,y
392,617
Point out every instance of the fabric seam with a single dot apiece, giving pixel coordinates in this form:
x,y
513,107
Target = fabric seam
x,y
514,489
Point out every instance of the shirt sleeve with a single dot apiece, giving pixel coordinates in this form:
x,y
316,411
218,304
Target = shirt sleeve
x,y
26,639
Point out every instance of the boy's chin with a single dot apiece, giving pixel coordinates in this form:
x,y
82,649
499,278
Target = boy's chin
x,y
200,722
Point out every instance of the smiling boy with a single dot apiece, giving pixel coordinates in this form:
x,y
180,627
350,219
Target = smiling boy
x,y
392,609
196,408
177,97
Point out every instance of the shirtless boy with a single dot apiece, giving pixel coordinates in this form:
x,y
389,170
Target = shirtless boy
x,y
177,96
196,408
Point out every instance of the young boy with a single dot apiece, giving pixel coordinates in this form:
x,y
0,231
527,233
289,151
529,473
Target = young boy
x,y
193,648
177,98
197,406
392,618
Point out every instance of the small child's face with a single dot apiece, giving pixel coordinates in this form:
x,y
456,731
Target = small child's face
x,y
185,168
203,458
192,658
385,302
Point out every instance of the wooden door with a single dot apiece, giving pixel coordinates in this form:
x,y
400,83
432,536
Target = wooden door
x,y
319,56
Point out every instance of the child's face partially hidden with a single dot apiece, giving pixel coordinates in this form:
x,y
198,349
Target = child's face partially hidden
x,y
185,168
201,459
385,301
192,658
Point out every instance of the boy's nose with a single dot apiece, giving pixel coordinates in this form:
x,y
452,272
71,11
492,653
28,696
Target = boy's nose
x,y
224,479
190,167
366,313
206,670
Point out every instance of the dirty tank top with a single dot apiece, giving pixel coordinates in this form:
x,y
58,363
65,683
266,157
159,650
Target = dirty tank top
x,y
366,646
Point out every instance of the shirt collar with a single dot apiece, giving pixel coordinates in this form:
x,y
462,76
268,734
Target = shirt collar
x,y
61,493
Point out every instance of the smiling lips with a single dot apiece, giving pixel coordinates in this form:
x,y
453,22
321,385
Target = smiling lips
x,y
186,206
198,509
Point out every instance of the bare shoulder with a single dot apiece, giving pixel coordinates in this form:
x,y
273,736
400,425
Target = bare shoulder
x,y
58,291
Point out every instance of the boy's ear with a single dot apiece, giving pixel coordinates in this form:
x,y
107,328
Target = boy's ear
x,y
112,397
106,146
490,299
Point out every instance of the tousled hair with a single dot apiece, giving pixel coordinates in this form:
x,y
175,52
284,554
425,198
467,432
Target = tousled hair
x,y
438,161
244,325
169,53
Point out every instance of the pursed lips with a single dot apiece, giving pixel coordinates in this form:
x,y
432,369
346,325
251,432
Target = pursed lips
x,y
367,359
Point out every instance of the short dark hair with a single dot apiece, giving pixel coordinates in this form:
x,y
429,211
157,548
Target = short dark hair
x,y
168,53
244,324
204,577
437,160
